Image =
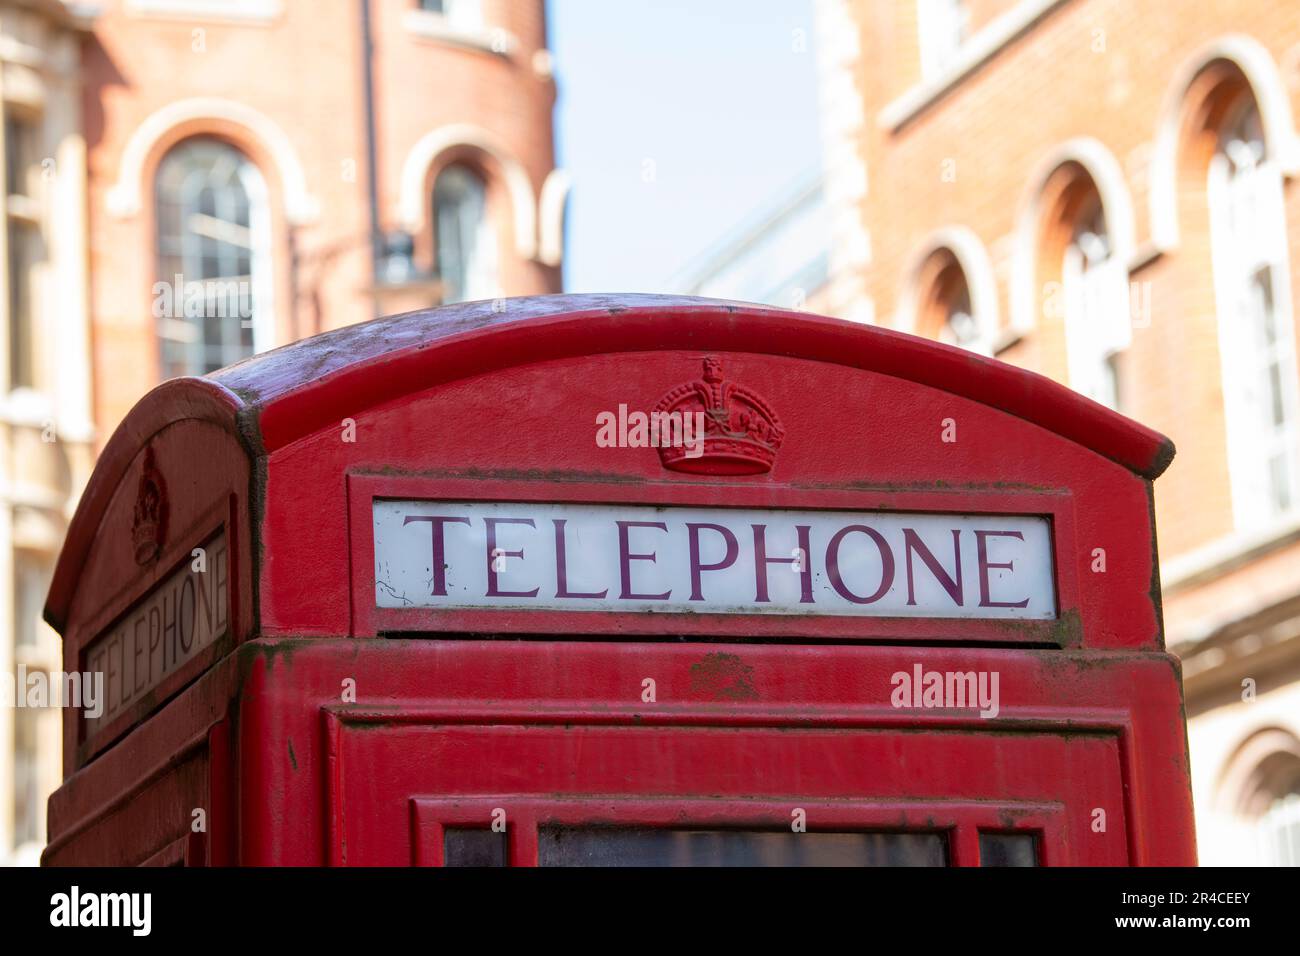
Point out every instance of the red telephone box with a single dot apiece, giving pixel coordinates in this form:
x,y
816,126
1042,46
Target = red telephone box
x,y
592,579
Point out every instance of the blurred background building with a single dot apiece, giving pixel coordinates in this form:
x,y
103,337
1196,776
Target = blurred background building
x,y
192,181
46,405
780,257
1105,191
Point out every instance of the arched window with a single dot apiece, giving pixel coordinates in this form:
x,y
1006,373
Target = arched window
x,y
465,244
1095,288
1256,804
952,308
944,306
1277,833
1077,243
212,299
1257,350
1270,806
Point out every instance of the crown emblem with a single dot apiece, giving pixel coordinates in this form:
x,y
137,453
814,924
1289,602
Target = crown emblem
x,y
149,524
741,432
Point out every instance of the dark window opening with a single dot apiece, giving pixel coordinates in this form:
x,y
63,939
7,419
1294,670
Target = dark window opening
x,y
635,846
473,846
1008,849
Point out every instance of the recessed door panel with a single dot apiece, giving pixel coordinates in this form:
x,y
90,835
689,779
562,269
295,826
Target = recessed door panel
x,y
702,795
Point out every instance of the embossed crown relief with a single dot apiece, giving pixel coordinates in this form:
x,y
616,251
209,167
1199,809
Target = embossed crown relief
x,y
742,433
149,523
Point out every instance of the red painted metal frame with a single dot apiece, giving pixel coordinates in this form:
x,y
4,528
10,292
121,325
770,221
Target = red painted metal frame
x,y
278,397
800,691
958,822
178,399
314,384
370,620
221,518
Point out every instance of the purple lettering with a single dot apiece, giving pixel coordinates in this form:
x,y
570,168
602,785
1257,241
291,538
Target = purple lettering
x,y
137,672
187,586
493,553
625,559
153,644
169,624
912,543
97,667
155,631
204,593
697,569
562,567
985,565
220,588
761,561
436,523
113,672
833,564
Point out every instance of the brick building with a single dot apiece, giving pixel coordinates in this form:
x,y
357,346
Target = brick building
x,y
191,181
254,113
1105,191
46,410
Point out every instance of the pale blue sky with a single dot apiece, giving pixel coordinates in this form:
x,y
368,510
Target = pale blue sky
x,y
714,93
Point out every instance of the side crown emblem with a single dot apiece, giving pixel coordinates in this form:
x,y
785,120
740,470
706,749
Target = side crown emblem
x,y
149,524
741,432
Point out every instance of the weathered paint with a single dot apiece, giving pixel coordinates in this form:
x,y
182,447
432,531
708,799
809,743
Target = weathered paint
x,y
752,715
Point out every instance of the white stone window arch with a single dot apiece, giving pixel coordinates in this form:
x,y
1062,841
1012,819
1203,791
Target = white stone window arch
x,y
1255,803
1093,295
553,204
973,320
1281,142
413,206
1253,303
126,197
1107,175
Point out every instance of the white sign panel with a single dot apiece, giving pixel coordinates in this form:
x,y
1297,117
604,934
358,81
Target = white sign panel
x,y
182,616
458,554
